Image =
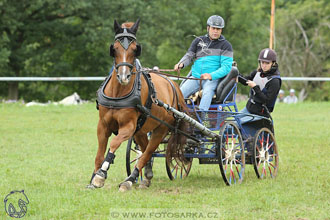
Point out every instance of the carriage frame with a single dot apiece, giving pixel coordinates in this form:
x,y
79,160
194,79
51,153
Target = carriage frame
x,y
227,142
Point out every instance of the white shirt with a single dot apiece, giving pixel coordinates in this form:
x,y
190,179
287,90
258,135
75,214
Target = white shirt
x,y
290,99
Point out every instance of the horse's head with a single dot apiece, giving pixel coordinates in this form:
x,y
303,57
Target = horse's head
x,y
125,49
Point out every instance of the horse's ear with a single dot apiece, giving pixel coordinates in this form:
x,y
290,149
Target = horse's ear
x,y
138,50
112,51
135,27
116,27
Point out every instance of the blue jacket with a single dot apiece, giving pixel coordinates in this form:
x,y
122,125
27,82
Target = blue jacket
x,y
211,56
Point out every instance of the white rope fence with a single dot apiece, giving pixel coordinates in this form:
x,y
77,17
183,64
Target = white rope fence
x,y
101,78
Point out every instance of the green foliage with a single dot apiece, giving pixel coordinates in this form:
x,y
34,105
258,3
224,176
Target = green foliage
x,y
303,44
71,38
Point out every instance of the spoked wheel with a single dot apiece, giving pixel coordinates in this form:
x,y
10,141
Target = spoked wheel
x,y
176,168
265,154
133,153
231,154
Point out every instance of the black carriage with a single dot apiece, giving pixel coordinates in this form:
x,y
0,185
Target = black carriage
x,y
218,137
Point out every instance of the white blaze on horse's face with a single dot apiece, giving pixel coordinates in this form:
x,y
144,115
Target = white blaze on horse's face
x,y
123,74
124,50
124,71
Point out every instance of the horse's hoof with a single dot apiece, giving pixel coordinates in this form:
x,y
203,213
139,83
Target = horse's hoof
x,y
98,181
125,186
90,186
145,184
148,174
148,170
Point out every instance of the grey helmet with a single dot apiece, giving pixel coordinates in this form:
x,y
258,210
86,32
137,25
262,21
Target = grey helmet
x,y
216,21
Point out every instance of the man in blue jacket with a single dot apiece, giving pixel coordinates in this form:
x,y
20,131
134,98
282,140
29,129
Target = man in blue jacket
x,y
213,57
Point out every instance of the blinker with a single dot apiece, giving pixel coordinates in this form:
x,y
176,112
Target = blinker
x,y
125,43
125,39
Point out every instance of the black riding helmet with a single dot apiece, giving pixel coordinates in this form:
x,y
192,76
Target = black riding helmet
x,y
216,21
267,55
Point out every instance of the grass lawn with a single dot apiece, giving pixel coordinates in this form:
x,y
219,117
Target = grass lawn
x,y
49,152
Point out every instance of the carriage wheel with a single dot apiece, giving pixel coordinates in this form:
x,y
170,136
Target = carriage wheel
x,y
133,153
265,154
231,154
176,168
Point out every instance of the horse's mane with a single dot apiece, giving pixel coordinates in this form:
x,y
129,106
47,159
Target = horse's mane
x,y
127,24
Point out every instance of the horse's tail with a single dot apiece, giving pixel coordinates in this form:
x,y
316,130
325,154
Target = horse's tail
x,y
177,141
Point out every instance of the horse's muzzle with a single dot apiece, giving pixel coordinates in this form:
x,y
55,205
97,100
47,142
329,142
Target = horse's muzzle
x,y
123,73
123,78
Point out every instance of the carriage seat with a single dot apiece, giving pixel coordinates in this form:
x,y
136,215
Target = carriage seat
x,y
223,89
225,86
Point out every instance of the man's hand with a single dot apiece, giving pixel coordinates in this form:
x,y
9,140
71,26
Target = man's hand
x,y
206,76
251,83
178,66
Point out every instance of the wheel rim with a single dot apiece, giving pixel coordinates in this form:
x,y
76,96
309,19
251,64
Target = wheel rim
x,y
133,153
231,154
132,156
176,168
265,154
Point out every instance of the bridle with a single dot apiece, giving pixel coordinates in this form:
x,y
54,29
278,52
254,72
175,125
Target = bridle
x,y
125,39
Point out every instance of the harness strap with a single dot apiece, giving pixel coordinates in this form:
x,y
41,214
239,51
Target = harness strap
x,y
124,64
151,94
173,88
125,35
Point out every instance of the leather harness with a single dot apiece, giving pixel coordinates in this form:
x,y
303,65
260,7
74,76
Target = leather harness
x,y
131,100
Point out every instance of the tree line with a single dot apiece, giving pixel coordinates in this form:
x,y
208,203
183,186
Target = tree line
x,y
72,38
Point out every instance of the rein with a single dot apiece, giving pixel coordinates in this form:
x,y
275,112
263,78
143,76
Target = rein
x,y
161,72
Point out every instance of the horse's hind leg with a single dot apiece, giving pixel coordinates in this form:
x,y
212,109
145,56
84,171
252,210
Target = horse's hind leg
x,y
145,160
142,141
155,140
148,170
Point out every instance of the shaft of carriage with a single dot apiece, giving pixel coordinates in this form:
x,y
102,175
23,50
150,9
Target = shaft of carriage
x,y
181,115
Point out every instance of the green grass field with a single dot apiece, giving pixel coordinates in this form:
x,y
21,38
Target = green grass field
x,y
49,152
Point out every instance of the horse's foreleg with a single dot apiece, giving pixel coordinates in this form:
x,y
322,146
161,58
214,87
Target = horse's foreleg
x,y
99,174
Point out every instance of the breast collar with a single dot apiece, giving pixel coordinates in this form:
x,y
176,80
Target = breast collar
x,y
131,100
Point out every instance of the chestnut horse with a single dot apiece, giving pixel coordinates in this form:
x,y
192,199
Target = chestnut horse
x,y
121,118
